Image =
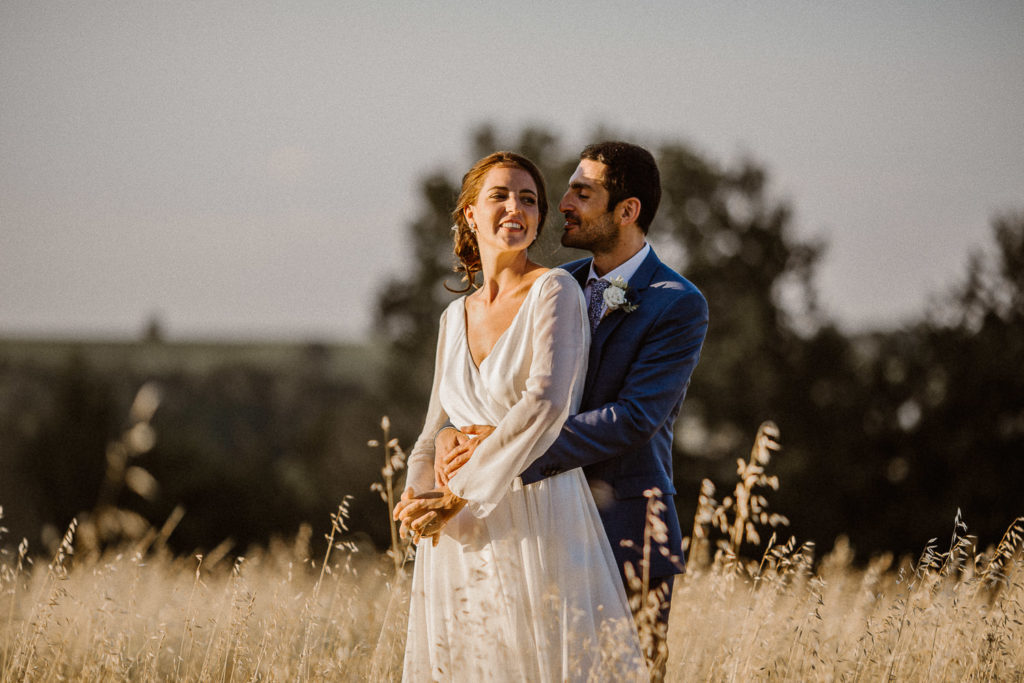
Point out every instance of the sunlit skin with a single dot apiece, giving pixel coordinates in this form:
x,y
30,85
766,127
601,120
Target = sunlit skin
x,y
506,219
506,216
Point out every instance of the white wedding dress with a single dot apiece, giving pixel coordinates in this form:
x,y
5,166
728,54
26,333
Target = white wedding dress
x,y
522,585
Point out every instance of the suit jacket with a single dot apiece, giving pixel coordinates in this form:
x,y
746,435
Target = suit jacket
x,y
639,370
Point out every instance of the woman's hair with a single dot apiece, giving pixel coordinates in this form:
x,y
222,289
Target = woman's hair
x,y
466,248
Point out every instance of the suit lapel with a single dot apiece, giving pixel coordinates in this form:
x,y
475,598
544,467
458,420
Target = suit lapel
x,y
644,275
581,271
640,281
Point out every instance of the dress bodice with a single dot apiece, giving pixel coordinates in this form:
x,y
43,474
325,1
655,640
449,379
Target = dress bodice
x,y
526,387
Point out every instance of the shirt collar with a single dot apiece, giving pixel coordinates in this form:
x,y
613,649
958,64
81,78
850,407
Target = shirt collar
x,y
626,270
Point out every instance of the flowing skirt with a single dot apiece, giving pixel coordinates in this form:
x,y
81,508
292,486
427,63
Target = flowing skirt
x,y
528,593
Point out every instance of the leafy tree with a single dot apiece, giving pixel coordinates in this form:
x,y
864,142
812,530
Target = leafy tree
x,y
739,248
769,352
930,418
958,437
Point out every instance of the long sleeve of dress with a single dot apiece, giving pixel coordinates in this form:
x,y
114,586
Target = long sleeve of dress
x,y
421,458
556,341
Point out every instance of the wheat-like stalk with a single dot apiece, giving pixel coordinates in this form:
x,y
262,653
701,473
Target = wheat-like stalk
x,y
394,462
134,611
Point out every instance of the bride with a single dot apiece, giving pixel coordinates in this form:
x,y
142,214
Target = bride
x,y
519,583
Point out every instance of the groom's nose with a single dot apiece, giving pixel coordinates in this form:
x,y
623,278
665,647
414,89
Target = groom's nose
x,y
564,205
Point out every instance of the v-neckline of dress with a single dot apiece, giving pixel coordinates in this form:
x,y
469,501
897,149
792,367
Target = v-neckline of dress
x,y
465,325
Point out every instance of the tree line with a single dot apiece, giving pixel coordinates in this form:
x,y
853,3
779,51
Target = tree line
x,y
885,433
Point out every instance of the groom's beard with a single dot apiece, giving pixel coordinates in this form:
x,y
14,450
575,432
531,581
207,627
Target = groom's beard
x,y
596,235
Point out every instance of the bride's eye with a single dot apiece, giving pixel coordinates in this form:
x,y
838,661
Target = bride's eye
x,y
529,200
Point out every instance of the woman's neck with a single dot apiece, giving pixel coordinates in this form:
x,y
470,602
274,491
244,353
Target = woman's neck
x,y
503,272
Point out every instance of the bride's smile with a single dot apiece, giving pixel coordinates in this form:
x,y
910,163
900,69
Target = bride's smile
x,y
506,214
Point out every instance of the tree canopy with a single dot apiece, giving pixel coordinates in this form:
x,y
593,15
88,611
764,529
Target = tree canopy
x,y
885,433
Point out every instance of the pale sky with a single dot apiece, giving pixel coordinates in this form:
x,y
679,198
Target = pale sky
x,y
249,170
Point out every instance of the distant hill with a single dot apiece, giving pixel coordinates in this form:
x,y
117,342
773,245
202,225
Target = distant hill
x,y
348,362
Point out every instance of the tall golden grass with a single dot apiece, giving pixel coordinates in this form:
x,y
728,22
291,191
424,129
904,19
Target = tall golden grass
x,y
133,611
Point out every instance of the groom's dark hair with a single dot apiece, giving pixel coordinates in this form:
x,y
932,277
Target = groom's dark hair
x,y
632,172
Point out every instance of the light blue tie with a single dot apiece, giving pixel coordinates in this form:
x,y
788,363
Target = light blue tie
x,y
596,302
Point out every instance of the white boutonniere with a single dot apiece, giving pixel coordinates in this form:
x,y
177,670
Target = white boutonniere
x,y
619,295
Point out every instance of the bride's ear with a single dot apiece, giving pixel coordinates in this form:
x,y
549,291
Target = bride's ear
x,y
468,213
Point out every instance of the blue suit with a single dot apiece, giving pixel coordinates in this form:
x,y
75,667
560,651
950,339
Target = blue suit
x,y
639,369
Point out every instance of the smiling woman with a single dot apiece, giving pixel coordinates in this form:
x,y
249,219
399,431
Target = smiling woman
x,y
506,208
505,220
466,244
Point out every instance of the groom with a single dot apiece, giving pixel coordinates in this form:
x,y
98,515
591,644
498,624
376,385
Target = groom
x,y
645,344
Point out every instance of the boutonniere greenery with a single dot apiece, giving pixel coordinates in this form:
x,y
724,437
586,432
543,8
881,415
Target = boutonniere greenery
x,y
619,295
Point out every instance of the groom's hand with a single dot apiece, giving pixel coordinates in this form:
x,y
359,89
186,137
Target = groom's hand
x,y
446,441
460,455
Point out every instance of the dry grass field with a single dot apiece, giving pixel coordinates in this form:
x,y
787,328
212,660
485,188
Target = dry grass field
x,y
135,612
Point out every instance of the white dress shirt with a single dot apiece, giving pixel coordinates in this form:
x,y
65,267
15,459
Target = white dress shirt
x,y
626,270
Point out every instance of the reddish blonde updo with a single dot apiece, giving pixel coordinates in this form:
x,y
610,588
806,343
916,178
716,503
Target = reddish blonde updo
x,y
465,245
